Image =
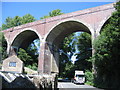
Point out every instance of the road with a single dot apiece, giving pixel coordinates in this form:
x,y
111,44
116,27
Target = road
x,y
72,86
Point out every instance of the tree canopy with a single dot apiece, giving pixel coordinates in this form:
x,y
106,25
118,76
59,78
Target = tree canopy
x,y
85,52
79,45
53,13
17,20
107,53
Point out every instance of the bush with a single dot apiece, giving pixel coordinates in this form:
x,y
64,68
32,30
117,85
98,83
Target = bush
x,y
89,77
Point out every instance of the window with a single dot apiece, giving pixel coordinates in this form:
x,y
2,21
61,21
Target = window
x,y
12,64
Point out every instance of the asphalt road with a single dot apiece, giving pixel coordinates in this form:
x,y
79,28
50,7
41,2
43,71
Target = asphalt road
x,y
72,86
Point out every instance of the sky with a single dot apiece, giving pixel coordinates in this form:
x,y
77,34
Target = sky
x,y
40,9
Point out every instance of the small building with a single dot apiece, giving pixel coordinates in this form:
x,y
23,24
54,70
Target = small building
x,y
12,64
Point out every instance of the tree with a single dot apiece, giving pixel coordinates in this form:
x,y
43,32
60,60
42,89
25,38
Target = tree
x,y
107,53
27,59
79,45
68,70
27,19
8,24
52,14
67,48
16,21
23,55
85,52
3,47
33,50
55,13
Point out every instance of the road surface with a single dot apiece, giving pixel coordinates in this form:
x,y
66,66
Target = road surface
x,y
72,86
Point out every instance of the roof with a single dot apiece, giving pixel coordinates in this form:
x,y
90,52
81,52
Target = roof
x,y
13,58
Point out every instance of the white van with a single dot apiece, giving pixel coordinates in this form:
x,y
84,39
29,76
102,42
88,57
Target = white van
x,y
79,77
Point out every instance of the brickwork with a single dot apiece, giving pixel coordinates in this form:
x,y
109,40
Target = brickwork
x,y
51,31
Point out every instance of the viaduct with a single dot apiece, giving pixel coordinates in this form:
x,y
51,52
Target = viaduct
x,y
52,31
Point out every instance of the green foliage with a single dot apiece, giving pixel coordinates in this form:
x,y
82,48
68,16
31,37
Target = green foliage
x,y
16,21
107,53
71,44
44,17
33,66
89,77
27,19
85,52
33,49
52,14
27,59
9,23
24,56
3,47
55,13
65,65
68,70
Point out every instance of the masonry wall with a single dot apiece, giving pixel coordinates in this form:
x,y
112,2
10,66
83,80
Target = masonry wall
x,y
18,68
93,18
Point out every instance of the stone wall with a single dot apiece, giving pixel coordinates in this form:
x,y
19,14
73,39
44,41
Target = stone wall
x,y
33,82
12,64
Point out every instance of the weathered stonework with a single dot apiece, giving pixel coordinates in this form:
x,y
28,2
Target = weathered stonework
x,y
12,64
52,31
31,82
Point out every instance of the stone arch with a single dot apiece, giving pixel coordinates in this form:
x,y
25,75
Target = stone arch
x,y
30,29
102,23
57,34
8,44
24,38
67,20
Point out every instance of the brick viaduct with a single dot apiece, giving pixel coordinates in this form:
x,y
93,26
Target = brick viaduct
x,y
52,31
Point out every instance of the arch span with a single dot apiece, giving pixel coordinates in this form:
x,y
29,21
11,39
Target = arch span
x,y
57,35
64,28
102,23
23,39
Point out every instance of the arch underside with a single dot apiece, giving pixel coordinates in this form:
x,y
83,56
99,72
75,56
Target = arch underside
x,y
24,39
64,29
57,35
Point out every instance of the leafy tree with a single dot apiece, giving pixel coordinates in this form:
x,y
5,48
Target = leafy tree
x,y
67,51
107,53
23,55
33,50
79,45
89,77
8,24
16,21
69,70
27,59
52,14
55,13
3,47
85,52
27,19
11,22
